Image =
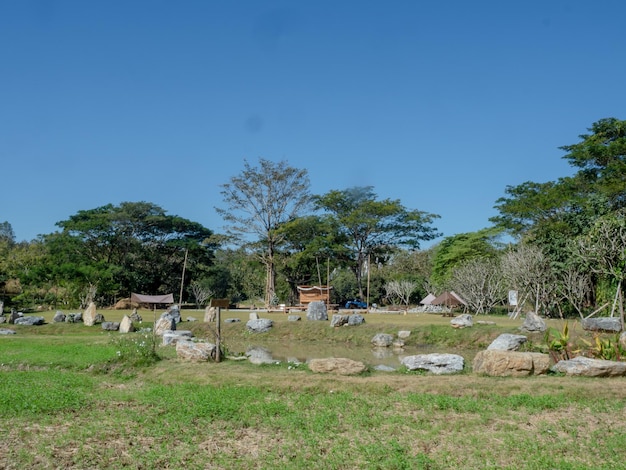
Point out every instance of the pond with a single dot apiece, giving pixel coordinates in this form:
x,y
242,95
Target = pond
x,y
299,352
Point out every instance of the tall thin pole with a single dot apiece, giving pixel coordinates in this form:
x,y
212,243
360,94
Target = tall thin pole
x,y
327,283
182,281
369,268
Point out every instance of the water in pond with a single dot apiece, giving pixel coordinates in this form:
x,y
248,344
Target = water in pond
x,y
298,352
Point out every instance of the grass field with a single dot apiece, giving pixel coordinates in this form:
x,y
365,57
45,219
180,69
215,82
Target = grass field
x,y
77,397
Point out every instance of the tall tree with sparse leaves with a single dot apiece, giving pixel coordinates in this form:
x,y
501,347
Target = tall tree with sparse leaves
x,y
257,202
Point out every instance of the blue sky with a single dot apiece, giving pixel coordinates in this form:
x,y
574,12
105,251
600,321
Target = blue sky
x,y
438,104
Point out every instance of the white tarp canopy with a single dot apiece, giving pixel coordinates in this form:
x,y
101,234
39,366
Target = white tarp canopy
x,y
152,299
428,299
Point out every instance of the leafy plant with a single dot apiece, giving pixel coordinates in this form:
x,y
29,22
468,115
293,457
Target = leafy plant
x,y
559,344
138,350
604,348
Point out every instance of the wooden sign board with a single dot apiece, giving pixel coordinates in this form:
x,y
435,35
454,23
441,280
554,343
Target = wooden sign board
x,y
221,303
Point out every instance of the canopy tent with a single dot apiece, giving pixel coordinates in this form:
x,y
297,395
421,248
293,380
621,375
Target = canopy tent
x,y
449,299
152,299
428,299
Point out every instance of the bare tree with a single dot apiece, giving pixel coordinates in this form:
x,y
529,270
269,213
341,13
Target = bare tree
x,y
603,251
200,292
401,290
259,201
88,295
528,270
574,285
479,281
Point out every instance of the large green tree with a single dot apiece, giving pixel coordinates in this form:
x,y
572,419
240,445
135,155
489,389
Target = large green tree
x,y
552,215
457,249
257,202
373,228
557,210
135,246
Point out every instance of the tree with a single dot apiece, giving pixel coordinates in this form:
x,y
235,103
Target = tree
x,y
311,246
527,269
400,290
603,249
460,248
133,247
258,201
201,292
601,159
374,228
479,281
552,212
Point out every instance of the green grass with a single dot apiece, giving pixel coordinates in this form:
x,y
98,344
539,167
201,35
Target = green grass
x,y
69,400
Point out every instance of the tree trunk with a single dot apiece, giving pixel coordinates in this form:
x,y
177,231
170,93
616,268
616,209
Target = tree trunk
x,y
270,277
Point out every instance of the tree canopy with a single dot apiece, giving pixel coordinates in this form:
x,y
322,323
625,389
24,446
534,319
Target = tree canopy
x,y
258,202
373,227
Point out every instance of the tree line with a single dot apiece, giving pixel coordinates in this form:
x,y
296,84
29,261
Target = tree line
x,y
560,245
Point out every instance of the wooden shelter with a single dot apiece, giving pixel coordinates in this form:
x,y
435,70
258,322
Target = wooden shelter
x,y
310,294
449,299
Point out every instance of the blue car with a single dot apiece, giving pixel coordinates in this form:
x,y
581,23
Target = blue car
x,y
355,304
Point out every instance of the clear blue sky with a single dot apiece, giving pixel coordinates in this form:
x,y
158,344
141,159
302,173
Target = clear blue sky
x,y
438,104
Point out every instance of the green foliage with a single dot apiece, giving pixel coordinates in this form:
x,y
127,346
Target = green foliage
x,y
373,228
460,248
135,349
258,202
605,348
559,343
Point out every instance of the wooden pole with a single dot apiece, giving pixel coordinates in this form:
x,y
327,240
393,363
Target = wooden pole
x,y
369,269
327,283
218,354
182,281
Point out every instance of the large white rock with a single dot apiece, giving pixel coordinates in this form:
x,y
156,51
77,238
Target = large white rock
x,y
436,363
89,315
126,325
500,363
588,367
195,352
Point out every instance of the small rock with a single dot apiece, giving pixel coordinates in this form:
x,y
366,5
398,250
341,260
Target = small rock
x,y
382,340
173,337
30,321
59,317
110,325
462,321
533,322
164,324
356,319
89,315
126,325
259,355
508,342
339,320
262,325
316,311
